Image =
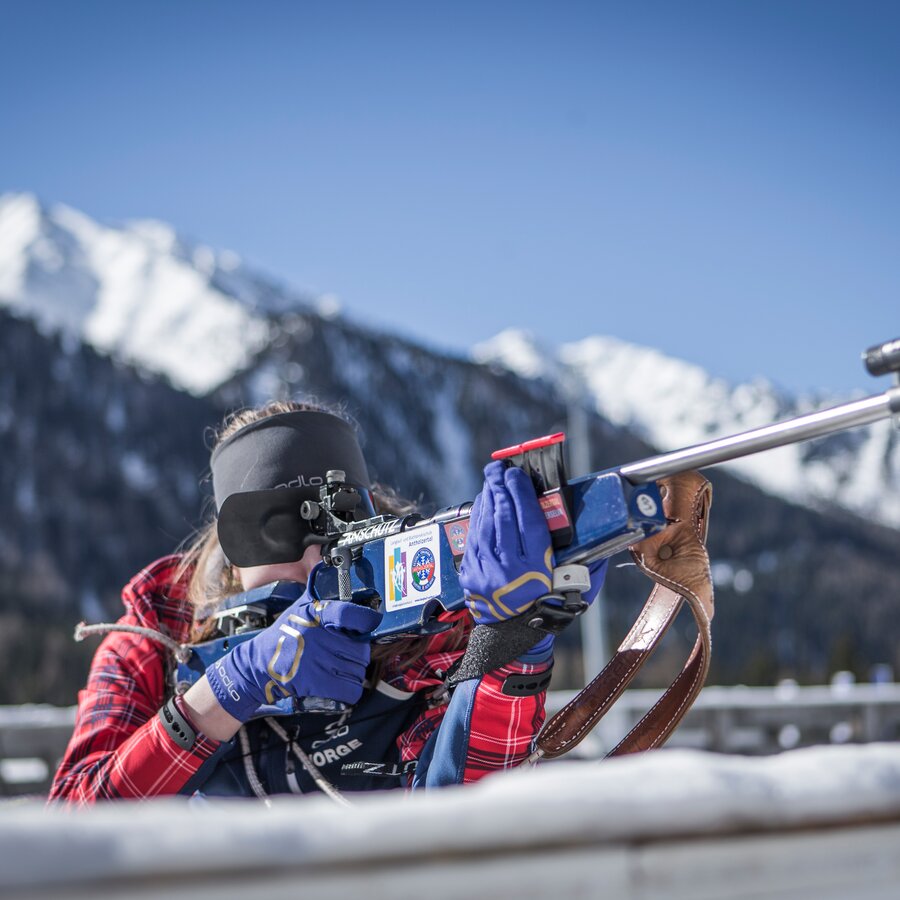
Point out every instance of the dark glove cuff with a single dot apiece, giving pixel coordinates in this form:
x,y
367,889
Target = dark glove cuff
x,y
493,646
540,652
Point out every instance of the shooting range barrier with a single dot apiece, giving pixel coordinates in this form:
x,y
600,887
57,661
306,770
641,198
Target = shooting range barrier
x,y
745,720
819,823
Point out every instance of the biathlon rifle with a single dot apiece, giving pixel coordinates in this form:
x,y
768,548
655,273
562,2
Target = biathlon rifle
x,y
407,567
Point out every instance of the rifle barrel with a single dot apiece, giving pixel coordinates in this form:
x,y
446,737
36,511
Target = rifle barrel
x,y
791,431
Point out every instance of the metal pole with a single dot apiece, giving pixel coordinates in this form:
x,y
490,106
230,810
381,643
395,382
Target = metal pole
x,y
792,431
593,629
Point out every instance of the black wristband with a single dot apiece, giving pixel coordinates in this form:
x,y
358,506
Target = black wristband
x,y
177,726
526,685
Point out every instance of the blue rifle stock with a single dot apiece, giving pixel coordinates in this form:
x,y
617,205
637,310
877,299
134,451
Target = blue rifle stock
x,y
608,515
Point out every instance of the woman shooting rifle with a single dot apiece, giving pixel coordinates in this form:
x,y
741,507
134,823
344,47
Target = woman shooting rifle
x,y
396,725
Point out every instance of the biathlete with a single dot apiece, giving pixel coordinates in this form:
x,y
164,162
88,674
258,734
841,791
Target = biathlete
x,y
137,736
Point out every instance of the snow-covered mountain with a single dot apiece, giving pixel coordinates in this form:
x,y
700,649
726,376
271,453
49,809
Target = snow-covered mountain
x,y
137,292
144,295
672,404
122,346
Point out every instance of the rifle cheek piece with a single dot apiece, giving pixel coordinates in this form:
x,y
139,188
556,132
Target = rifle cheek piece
x,y
269,470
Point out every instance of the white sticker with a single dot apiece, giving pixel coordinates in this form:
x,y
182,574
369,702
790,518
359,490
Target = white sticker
x,y
412,567
646,505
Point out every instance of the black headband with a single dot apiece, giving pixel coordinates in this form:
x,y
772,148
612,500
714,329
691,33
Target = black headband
x,y
264,471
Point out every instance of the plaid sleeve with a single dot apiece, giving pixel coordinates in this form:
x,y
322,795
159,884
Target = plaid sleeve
x,y
481,730
119,748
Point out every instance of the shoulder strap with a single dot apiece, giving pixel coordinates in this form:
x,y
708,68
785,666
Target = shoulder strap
x,y
677,561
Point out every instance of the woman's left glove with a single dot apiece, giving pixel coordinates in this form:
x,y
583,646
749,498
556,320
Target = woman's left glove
x,y
508,561
306,652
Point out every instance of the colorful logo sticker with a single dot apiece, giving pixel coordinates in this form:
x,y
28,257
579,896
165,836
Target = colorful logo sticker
x,y
423,567
646,505
554,511
456,536
398,576
412,567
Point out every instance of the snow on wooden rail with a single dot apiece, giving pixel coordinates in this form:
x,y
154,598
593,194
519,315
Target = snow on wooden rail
x,y
751,720
819,823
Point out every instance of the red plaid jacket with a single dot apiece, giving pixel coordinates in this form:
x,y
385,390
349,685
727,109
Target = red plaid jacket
x,y
120,750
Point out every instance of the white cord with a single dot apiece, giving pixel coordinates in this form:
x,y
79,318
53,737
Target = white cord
x,y
252,777
321,781
182,651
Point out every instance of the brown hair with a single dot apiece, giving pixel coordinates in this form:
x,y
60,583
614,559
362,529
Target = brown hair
x,y
211,578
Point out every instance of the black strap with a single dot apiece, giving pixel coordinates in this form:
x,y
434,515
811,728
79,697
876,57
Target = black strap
x,y
526,685
177,726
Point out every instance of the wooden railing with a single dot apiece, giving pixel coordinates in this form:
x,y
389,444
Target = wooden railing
x,y
819,823
33,739
740,720
760,720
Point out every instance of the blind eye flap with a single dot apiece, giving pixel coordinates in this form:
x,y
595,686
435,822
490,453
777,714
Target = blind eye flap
x,y
262,528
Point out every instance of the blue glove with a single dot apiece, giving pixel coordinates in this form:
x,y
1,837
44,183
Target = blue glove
x,y
305,652
508,561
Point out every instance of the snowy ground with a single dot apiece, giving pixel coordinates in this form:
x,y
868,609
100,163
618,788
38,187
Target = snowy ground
x,y
822,822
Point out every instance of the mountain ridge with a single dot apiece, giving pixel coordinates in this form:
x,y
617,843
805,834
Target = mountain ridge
x,y
149,297
105,462
632,387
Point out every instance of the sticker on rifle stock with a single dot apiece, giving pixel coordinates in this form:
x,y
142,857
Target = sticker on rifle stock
x,y
456,536
554,511
646,505
412,567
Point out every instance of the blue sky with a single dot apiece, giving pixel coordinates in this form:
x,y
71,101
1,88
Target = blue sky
x,y
715,179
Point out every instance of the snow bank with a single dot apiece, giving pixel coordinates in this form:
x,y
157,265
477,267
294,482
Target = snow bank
x,y
602,816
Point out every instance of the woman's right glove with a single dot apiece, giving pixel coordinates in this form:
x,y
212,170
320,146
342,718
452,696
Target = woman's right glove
x,y
305,652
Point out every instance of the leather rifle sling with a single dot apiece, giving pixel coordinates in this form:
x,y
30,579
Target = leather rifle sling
x,y
677,561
